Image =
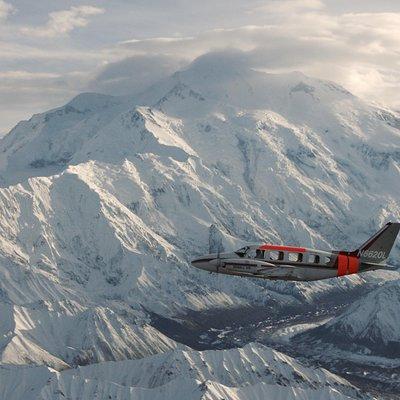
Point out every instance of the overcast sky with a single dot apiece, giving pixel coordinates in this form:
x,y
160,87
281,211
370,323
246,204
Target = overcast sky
x,y
51,50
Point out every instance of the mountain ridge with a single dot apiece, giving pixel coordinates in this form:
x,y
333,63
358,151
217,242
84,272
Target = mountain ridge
x,y
106,200
197,375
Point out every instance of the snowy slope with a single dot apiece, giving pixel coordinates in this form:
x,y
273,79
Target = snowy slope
x,y
370,325
66,334
105,200
288,144
55,136
254,371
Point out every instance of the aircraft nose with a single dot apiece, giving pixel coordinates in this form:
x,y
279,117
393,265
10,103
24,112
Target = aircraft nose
x,y
204,263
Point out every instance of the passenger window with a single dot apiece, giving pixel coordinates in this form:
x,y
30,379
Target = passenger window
x,y
314,258
281,255
274,255
259,253
251,254
296,257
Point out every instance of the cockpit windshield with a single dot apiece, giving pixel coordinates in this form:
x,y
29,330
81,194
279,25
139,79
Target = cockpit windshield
x,y
242,252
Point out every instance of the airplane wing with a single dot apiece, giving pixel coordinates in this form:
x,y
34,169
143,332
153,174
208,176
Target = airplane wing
x,y
388,268
257,268
247,261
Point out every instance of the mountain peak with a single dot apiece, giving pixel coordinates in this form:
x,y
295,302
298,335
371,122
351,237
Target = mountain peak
x,y
93,101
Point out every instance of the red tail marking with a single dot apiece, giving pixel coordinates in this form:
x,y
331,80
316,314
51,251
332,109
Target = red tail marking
x,y
354,264
342,262
347,264
282,248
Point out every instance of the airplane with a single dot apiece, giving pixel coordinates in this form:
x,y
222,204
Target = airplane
x,y
277,262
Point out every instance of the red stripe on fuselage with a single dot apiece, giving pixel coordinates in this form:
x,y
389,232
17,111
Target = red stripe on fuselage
x,y
282,248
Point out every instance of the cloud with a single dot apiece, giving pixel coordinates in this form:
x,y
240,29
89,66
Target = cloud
x,y
5,9
290,6
361,51
23,93
158,40
134,74
26,75
63,22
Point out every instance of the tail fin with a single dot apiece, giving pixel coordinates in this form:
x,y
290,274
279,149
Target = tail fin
x,y
376,249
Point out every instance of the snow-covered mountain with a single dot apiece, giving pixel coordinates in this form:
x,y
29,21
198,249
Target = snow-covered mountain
x,y
369,326
255,372
67,333
106,199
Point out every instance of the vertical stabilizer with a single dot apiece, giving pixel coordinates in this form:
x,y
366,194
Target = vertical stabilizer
x,y
376,249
